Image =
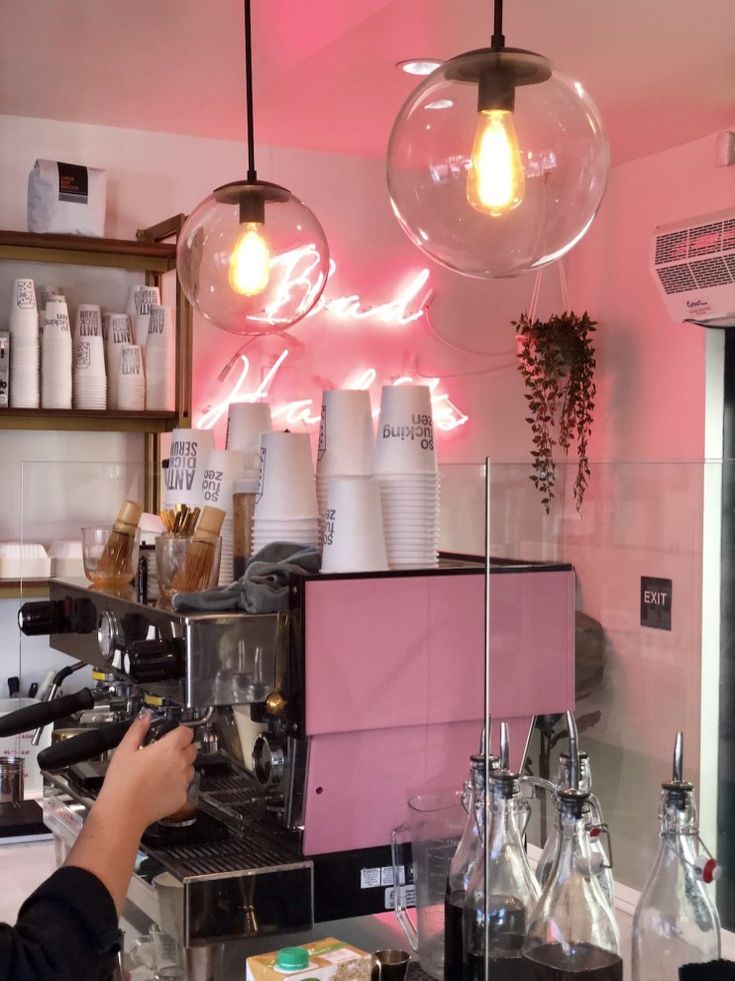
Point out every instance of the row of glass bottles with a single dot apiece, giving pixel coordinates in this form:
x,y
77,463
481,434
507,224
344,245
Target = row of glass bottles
x,y
569,929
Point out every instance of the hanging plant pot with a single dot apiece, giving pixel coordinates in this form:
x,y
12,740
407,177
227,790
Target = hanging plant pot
x,y
557,361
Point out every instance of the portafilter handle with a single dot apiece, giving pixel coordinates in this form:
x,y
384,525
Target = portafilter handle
x,y
83,747
97,741
44,712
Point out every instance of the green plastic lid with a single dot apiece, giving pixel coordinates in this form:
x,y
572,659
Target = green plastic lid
x,y
292,958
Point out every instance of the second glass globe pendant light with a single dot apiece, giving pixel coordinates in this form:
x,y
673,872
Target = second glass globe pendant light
x,y
497,164
252,258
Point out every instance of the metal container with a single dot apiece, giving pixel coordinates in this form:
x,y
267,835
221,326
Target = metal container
x,y
11,779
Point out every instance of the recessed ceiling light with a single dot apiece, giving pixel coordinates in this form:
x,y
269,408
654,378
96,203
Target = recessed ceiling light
x,y
418,66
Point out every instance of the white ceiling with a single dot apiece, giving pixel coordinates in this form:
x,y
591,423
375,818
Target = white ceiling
x,y
661,71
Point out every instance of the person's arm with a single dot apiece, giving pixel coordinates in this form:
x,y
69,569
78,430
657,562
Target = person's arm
x,y
143,784
67,928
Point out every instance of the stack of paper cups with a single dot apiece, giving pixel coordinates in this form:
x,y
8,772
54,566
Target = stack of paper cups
x,y
119,333
186,464
222,469
405,464
346,439
246,421
90,380
140,301
160,394
131,379
56,357
24,346
285,502
353,538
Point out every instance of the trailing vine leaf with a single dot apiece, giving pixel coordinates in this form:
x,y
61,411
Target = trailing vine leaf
x,y
557,361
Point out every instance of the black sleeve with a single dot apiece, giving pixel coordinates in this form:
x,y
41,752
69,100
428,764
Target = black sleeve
x,y
66,931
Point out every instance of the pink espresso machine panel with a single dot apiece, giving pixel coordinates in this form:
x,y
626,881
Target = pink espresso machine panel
x,y
394,685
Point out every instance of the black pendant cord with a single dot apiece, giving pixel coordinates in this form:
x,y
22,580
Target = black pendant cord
x,y
498,39
252,175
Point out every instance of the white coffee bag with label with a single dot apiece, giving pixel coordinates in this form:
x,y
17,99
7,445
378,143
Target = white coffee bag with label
x,y
68,199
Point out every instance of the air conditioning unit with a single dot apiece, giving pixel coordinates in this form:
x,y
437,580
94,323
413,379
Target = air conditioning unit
x,y
694,265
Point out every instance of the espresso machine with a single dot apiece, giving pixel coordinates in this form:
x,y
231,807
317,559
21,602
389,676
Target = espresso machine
x,y
315,726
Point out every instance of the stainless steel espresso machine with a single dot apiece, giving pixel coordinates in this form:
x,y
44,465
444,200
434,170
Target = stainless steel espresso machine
x,y
315,725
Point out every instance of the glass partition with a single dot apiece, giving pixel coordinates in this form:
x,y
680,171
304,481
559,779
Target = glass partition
x,y
646,551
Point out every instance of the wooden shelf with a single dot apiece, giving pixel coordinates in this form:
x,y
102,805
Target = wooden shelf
x,y
122,254
23,588
89,420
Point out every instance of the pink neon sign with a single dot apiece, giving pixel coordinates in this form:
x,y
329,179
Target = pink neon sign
x,y
447,415
294,270
408,306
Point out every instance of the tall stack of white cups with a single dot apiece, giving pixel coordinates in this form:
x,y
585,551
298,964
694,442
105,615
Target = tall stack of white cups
x,y
222,469
405,465
159,360
346,439
24,341
119,333
56,357
285,502
186,464
90,379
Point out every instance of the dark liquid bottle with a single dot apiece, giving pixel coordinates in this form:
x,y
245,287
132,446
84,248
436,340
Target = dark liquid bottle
x,y
582,962
453,906
469,852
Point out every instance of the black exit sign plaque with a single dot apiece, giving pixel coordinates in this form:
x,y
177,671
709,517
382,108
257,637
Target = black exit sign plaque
x,y
656,603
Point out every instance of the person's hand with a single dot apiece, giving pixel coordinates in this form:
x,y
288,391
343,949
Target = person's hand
x,y
148,782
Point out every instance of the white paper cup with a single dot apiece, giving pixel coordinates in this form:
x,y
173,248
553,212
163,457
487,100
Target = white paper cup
x,y
119,333
246,421
405,440
23,296
353,527
222,468
131,379
286,487
56,357
186,464
160,361
346,435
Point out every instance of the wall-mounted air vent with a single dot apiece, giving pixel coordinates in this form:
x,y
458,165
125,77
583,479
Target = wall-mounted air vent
x,y
694,266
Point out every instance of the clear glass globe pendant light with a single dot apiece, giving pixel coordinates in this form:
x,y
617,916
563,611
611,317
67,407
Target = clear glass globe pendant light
x,y
251,258
497,164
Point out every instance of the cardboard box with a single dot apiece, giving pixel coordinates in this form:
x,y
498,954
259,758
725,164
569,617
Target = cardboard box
x,y
329,960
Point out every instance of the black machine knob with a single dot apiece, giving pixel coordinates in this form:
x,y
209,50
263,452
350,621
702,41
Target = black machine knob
x,y
45,617
155,660
65,616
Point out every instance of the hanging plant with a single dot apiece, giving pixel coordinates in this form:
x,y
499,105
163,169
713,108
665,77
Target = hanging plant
x,y
557,361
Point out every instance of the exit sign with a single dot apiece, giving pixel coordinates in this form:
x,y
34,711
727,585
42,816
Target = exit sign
x,y
655,603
